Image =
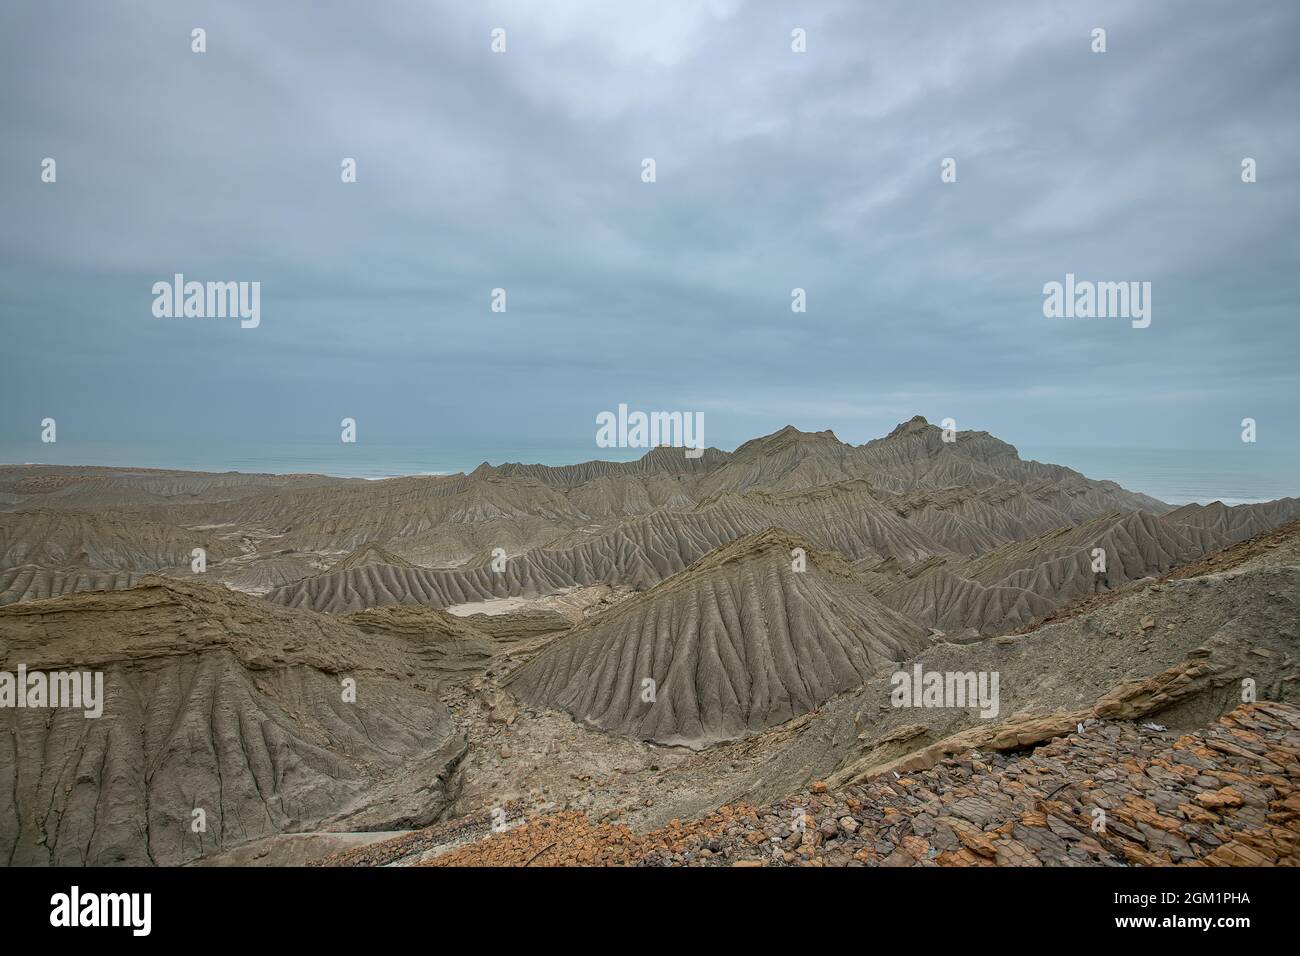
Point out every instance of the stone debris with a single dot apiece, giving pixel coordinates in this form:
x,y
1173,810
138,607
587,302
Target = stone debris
x,y
416,843
1119,795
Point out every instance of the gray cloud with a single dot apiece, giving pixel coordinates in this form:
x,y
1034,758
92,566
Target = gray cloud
x,y
776,170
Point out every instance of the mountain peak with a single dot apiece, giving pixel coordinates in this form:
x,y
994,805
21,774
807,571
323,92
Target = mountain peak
x,y
916,423
790,437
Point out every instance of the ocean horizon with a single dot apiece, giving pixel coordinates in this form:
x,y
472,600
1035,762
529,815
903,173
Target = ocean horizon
x,y
1174,475
1179,476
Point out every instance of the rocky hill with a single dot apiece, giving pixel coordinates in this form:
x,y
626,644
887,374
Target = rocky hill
x,y
748,637
218,703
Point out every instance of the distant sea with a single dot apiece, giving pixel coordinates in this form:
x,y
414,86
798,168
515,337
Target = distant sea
x,y
1177,475
1235,476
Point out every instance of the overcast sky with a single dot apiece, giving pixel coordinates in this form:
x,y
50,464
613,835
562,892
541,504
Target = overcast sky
x,y
775,170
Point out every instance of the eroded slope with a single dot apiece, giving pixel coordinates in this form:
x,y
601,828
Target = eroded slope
x,y
736,643
218,703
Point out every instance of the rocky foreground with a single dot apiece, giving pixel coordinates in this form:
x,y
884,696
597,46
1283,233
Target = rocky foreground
x,y
1112,794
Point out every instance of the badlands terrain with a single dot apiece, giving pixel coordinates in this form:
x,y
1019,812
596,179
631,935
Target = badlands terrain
x,y
669,661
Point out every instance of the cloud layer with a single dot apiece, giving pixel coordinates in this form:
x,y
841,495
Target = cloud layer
x,y
775,170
